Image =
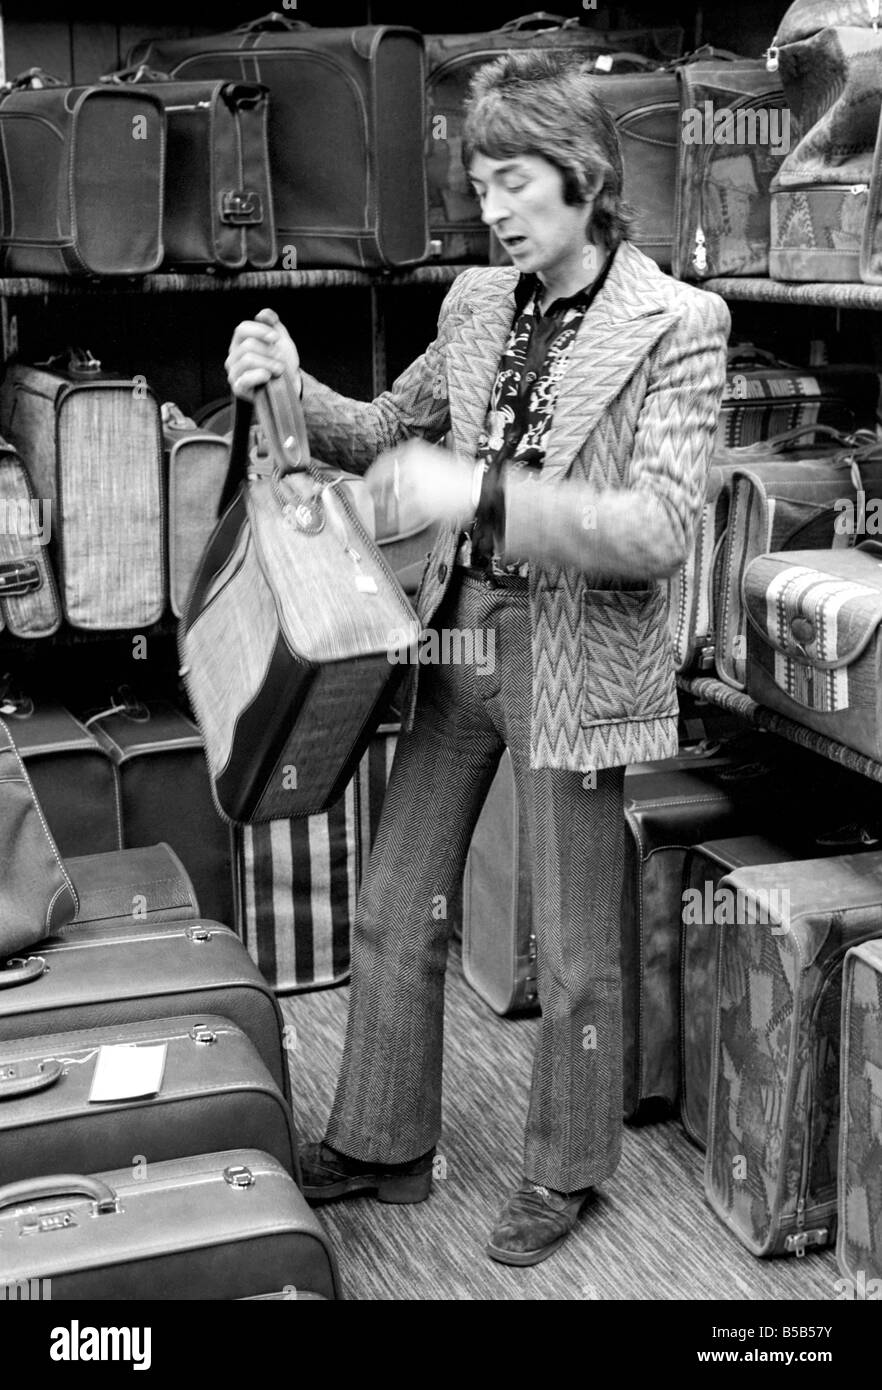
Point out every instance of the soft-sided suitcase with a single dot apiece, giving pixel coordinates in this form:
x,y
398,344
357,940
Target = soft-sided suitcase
x,y
29,604
129,971
82,185
218,192
859,1242
147,885
197,462
72,777
215,1226
346,122
214,1091
164,793
288,692
734,133
92,445
773,1133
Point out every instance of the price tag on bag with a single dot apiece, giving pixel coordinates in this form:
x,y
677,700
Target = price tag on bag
x,y
126,1072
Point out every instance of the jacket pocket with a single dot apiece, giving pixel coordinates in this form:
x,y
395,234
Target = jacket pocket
x,y
627,657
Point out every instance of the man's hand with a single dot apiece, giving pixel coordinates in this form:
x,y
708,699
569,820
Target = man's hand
x,y
261,348
424,481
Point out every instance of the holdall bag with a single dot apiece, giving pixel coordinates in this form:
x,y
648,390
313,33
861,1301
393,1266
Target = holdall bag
x,y
164,792
814,649
829,60
92,444
29,604
147,885
773,1134
294,632
692,604
218,192
72,778
213,1091
37,896
764,397
735,126
81,179
859,1240
197,462
214,1226
127,971
346,126
819,499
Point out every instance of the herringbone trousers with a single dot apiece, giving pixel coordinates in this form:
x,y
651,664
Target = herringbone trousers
x,y
387,1106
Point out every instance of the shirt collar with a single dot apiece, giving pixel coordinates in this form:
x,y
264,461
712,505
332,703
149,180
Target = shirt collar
x,y
529,285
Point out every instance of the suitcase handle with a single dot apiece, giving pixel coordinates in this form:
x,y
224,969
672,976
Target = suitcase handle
x,y
539,19
19,577
16,1194
20,970
13,1084
32,78
271,22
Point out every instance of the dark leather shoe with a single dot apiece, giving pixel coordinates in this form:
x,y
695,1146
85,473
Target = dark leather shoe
x,y
534,1222
328,1174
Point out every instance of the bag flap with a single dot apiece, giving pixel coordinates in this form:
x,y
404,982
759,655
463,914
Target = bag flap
x,y
807,17
818,607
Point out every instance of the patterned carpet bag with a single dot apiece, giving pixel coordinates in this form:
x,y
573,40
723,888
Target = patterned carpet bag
x,y
859,1245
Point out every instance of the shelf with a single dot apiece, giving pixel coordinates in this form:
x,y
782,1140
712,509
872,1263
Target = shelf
x,y
736,702
823,296
28,286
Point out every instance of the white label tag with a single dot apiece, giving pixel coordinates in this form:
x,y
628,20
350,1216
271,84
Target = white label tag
x,y
125,1072
366,584
603,62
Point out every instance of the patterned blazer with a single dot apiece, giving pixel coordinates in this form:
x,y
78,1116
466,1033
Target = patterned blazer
x,y
610,515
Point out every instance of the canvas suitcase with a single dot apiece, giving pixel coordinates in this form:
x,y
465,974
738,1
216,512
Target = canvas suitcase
x,y
765,397
813,641
197,463
215,1226
735,129
164,793
218,194
214,1091
82,185
346,124
146,885
128,971
29,605
288,693
859,1242
798,500
92,444
773,1133
72,778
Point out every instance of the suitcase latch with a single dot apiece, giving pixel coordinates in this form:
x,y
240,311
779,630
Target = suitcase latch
x,y
199,1034
241,207
199,934
239,1176
799,1243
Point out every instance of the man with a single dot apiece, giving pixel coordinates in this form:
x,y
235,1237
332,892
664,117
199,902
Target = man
x,y
581,386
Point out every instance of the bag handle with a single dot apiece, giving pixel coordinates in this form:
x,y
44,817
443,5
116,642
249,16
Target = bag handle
x,y
136,72
20,970
16,1194
749,352
33,79
13,1084
539,19
273,22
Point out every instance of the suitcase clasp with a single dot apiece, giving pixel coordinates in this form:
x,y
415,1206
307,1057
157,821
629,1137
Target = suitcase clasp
x,y
239,1176
797,1244
203,1035
198,934
240,207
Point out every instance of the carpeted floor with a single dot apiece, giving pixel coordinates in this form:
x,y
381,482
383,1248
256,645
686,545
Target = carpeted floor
x,y
650,1236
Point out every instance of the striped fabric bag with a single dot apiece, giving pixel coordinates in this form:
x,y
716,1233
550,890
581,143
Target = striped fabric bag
x,y
297,880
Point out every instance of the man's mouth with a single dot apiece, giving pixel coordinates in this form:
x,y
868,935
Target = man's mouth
x,y
514,243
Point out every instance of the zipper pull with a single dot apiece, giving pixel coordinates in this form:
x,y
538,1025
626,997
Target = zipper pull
x,y
771,56
699,254
873,6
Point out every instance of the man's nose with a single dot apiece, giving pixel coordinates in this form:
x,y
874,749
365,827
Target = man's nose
x,y
494,207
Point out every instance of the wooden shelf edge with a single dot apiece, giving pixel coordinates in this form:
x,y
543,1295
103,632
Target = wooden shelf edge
x,y
736,702
28,286
762,291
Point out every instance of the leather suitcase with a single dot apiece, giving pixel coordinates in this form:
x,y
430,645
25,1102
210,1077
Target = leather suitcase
x,y
82,179
72,777
859,1242
722,210
773,1134
197,463
214,1091
218,193
146,885
128,972
92,444
814,643
215,1226
29,605
287,695
346,123
164,793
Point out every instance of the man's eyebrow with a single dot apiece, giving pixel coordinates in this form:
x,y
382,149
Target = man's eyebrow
x,y
501,169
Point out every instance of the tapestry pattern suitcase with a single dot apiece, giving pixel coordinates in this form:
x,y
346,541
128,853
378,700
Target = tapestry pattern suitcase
x,y
164,793
218,1226
29,605
128,972
146,885
214,1091
92,444
859,1242
346,129
765,397
773,1134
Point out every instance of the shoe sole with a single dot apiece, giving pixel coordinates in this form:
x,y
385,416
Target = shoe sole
x,y
525,1257
396,1191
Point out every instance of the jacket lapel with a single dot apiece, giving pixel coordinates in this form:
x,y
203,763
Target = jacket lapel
x,y
473,360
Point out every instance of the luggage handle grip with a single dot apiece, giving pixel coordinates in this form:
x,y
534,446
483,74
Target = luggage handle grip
x,y
13,1084
539,19
20,970
19,577
274,21
136,72
30,1190
777,441
35,78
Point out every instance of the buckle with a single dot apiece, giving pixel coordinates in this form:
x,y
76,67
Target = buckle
x,y
240,207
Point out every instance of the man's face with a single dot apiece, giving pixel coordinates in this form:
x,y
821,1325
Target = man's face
x,y
522,200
